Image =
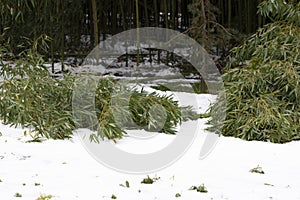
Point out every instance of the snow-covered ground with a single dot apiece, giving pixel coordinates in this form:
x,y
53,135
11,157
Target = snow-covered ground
x,y
66,171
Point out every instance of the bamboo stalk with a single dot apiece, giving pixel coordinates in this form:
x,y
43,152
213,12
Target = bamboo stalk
x,y
123,15
166,14
229,13
156,13
62,38
146,13
95,22
173,5
114,17
137,32
51,43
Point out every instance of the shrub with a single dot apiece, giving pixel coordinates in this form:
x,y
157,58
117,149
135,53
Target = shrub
x,y
30,97
262,82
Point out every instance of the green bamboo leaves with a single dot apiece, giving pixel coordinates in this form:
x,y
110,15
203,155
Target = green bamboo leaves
x,y
30,97
34,99
281,10
148,111
262,83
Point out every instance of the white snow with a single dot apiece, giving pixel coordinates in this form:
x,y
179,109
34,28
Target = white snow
x,y
65,170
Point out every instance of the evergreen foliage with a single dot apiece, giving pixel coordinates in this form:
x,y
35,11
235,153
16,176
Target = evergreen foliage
x,y
32,98
262,82
77,26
